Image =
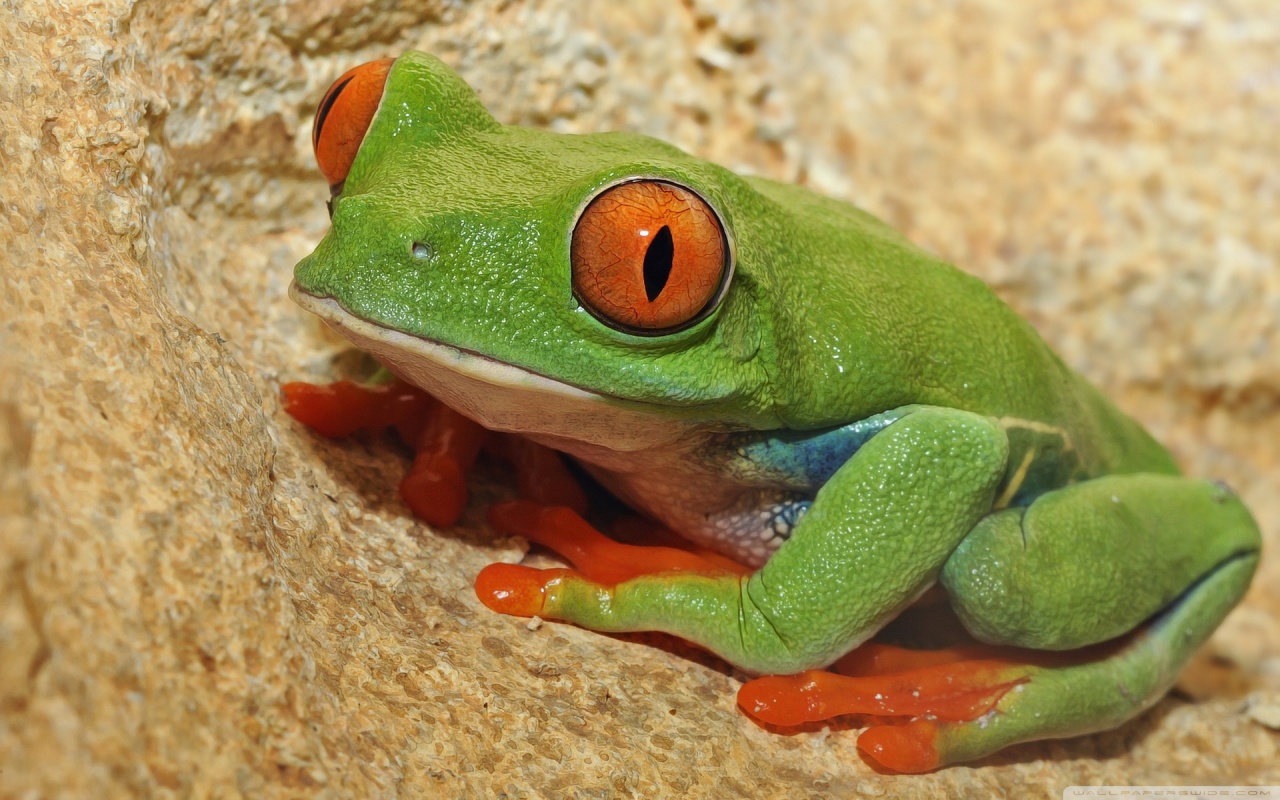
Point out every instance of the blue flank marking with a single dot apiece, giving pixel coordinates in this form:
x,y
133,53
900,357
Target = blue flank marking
x,y
807,459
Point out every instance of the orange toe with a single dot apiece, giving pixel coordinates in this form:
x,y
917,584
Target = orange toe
x,y
515,589
959,691
782,699
435,489
592,553
446,445
343,407
902,748
541,474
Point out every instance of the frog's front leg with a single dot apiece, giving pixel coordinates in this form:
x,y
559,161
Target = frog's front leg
x,y
874,539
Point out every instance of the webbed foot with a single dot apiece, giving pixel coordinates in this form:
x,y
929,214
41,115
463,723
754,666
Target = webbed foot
x,y
446,444
955,685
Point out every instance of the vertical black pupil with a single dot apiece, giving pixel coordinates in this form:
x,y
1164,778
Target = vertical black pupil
x,y
325,107
657,263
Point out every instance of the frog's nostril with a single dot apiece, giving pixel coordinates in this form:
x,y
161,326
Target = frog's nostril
x,y
422,251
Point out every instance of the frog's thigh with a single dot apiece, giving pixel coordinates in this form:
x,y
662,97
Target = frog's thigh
x,y
1091,561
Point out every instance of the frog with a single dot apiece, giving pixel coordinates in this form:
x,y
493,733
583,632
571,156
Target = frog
x,y
850,431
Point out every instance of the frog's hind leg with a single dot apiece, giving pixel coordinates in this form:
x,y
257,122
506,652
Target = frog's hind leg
x,y
1091,561
1164,555
1073,699
1067,576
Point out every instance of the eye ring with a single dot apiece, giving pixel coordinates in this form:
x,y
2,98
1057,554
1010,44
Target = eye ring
x,y
650,257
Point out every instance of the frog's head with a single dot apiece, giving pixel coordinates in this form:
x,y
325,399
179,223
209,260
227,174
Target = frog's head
x,y
586,288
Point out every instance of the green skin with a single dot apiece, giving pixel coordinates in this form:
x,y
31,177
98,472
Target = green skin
x,y
914,428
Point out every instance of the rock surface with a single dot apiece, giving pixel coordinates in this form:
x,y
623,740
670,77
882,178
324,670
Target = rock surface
x,y
199,598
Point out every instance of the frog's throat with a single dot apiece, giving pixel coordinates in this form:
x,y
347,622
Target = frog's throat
x,y
504,397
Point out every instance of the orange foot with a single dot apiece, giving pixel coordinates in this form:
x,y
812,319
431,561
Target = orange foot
x,y
445,449
342,408
541,474
958,684
446,444
593,555
521,591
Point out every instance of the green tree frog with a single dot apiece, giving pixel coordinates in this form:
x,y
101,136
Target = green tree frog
x,y
845,426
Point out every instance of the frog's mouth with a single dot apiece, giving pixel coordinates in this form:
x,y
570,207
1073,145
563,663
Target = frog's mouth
x,y
504,397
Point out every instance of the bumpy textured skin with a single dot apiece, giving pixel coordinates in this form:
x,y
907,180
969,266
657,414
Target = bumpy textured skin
x,y
832,316
1112,551
1059,521
1097,695
871,543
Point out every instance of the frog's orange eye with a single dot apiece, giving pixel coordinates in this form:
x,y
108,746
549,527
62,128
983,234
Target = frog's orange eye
x,y
649,257
344,116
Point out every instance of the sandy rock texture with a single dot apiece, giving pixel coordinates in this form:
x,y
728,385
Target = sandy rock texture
x,y
198,598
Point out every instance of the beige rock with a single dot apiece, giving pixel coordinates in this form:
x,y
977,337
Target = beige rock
x,y
1264,710
199,598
